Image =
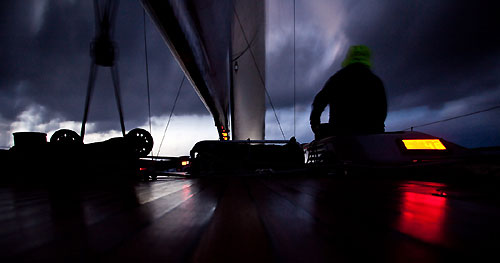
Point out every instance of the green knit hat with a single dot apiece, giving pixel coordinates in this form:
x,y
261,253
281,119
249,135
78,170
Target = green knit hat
x,y
357,54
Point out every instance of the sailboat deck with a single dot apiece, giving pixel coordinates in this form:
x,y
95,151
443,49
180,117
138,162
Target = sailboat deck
x,y
250,219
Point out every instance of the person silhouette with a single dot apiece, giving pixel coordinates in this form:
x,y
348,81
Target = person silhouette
x,y
356,96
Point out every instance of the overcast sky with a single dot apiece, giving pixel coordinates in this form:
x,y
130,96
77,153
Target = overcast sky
x,y
438,59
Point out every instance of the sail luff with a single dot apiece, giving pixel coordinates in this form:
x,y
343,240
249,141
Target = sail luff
x,y
180,24
220,45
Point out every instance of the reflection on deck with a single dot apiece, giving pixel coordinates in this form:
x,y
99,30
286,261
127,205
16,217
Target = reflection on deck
x,y
422,215
250,219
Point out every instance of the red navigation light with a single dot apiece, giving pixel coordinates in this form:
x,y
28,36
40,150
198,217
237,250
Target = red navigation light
x,y
423,144
142,169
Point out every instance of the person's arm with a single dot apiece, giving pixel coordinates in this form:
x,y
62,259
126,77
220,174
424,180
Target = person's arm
x,y
382,98
319,104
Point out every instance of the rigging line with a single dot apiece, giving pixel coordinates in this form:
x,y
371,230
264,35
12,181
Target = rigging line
x,y
147,68
171,112
456,117
245,50
242,52
258,71
249,44
88,98
97,15
116,85
294,76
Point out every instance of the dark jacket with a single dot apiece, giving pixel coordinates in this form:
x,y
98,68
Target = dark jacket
x,y
357,101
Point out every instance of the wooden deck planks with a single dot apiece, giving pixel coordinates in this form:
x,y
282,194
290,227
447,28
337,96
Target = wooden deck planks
x,y
173,236
248,219
236,232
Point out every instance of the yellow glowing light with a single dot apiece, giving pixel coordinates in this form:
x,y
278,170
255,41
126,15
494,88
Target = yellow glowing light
x,y
424,144
184,163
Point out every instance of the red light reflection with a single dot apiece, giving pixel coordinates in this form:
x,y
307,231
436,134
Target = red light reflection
x,y
186,191
422,216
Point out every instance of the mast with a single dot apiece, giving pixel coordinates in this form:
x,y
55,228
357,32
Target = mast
x,y
248,107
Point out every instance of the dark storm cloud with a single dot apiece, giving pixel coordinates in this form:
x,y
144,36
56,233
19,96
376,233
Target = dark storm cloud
x,y
280,76
438,59
436,50
430,55
45,61
41,55
318,39
426,52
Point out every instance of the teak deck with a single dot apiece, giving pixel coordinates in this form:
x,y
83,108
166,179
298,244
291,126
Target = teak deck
x,y
250,219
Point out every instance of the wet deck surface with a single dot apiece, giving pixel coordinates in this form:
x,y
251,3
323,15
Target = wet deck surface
x,y
251,219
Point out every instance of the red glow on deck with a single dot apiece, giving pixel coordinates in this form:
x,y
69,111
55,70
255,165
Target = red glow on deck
x,y
422,216
186,191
